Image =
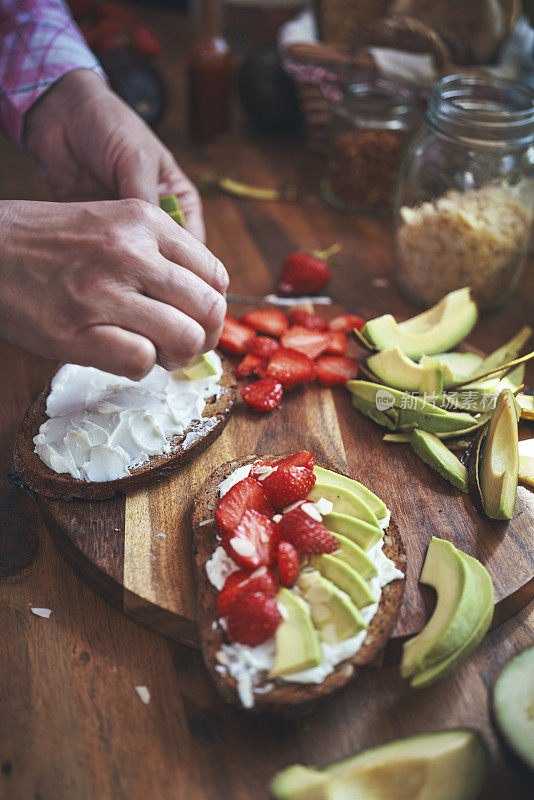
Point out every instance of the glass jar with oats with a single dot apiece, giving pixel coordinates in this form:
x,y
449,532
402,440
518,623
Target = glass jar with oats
x,y
465,194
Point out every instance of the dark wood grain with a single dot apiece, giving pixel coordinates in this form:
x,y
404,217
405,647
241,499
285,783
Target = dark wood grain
x,y
72,725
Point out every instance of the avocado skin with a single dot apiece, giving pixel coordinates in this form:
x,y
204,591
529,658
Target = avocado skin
x,y
436,454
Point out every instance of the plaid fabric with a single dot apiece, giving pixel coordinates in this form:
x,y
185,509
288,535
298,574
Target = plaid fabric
x,y
39,43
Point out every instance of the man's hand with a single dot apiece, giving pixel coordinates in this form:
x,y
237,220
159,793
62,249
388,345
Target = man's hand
x,y
115,285
92,146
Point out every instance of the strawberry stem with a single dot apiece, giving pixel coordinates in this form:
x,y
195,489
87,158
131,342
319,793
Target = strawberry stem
x,y
324,255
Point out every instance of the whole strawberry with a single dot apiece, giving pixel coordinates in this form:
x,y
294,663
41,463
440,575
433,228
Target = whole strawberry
x,y
253,618
305,533
305,273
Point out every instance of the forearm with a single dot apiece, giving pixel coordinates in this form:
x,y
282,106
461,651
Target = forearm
x,y
39,43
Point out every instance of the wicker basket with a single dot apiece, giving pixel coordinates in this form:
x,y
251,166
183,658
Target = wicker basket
x,y
321,70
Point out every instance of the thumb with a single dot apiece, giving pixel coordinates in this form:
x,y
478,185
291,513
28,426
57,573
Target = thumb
x,y
137,176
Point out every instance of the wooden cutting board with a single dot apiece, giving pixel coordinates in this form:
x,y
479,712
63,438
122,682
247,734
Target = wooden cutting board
x,y
135,550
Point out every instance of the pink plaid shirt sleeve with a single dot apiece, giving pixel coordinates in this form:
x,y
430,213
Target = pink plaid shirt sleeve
x,y
39,43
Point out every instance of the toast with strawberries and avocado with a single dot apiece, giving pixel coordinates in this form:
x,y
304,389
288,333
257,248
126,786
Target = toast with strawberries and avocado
x,y
300,576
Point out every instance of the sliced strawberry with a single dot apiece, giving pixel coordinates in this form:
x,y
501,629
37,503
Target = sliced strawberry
x,y
338,343
346,322
336,370
243,582
258,468
263,346
253,542
300,459
253,619
286,485
311,343
235,337
248,493
288,563
305,533
263,395
251,365
266,320
306,320
290,367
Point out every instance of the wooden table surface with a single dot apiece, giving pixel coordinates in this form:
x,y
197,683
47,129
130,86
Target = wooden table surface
x,y
71,722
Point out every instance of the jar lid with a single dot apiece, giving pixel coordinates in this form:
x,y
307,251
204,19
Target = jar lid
x,y
481,109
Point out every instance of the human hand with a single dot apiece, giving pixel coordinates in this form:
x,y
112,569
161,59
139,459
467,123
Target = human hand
x,y
92,146
113,284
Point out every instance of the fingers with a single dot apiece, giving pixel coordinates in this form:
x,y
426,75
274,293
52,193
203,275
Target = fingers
x,y
112,349
173,181
182,248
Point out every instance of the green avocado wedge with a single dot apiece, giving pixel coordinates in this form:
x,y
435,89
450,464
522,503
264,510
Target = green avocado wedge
x,y
200,367
486,598
507,352
456,366
362,533
333,613
436,330
377,506
355,557
345,578
456,615
447,765
344,501
498,469
512,704
297,642
437,455
393,368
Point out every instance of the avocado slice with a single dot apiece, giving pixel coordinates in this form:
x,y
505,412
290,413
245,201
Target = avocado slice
x,y
456,366
377,506
354,556
513,704
434,331
200,367
344,501
297,642
438,456
457,612
525,450
388,419
485,592
362,533
169,203
333,613
447,765
499,459
345,578
393,368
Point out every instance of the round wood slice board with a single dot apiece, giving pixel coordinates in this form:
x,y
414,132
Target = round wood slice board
x,y
135,549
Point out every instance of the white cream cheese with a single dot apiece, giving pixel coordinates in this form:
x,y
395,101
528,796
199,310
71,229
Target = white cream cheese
x,y
102,426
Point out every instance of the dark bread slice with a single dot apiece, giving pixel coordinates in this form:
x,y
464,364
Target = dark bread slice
x,y
36,475
285,696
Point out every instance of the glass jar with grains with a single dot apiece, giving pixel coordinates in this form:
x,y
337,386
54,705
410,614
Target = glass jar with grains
x,y
367,136
466,190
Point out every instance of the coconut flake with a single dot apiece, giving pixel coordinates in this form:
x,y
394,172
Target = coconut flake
x,y
41,612
143,693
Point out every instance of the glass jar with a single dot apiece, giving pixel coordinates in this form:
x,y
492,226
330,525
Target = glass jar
x,y
463,208
367,137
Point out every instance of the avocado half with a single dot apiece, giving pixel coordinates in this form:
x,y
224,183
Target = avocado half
x,y
434,331
447,765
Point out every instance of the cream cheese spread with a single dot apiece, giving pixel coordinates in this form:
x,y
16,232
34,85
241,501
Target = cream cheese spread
x,y
245,663
102,426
